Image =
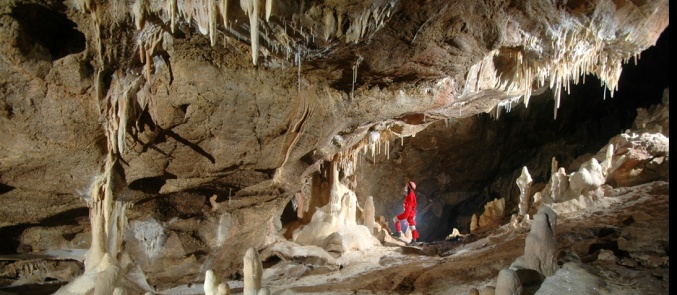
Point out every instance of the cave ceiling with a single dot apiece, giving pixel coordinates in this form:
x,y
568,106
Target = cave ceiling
x,y
192,103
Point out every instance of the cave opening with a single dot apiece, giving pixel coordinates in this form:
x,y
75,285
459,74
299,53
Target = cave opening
x,y
463,164
48,28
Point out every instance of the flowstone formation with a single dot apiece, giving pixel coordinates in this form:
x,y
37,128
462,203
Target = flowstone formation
x,y
174,133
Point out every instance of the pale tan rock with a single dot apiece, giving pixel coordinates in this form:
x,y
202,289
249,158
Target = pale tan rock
x,y
253,272
494,211
368,219
508,283
541,244
524,183
473,223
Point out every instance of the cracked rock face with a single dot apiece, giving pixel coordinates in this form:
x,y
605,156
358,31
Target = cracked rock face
x,y
249,101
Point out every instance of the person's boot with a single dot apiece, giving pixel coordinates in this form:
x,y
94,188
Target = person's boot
x,y
413,243
397,234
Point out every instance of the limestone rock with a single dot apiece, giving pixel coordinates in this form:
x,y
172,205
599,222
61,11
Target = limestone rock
x,y
541,244
253,272
524,183
494,211
368,219
639,158
350,238
508,283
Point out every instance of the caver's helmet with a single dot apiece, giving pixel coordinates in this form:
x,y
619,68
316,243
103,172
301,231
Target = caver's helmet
x,y
412,185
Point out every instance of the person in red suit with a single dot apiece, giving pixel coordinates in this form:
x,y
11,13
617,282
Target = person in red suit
x,y
409,213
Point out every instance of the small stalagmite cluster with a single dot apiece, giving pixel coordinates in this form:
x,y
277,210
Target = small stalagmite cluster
x,y
542,264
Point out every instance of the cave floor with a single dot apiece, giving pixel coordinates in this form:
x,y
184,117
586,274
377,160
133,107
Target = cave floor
x,y
629,224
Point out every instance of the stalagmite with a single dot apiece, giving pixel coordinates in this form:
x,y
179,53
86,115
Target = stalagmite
x,y
253,272
368,214
588,177
540,247
508,283
211,283
107,276
473,223
538,200
524,184
559,185
335,192
212,201
350,205
300,205
608,159
223,289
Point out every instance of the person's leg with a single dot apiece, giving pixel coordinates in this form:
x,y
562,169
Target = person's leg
x,y
397,219
412,224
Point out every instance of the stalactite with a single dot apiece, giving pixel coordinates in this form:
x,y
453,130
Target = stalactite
x,y
212,11
329,24
139,10
357,64
224,13
297,59
173,11
269,9
251,9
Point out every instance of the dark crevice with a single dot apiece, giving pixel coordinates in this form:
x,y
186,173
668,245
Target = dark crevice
x,y
530,279
151,185
43,288
184,108
272,261
289,212
5,188
269,172
48,28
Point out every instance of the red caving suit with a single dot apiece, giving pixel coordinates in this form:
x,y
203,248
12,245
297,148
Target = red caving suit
x,y
408,214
